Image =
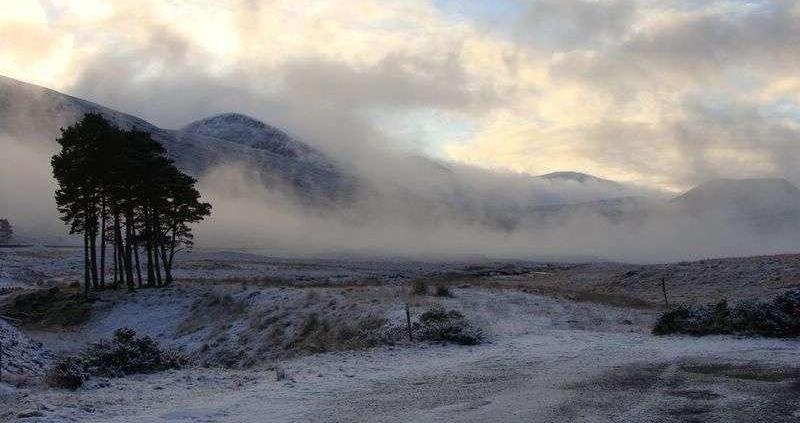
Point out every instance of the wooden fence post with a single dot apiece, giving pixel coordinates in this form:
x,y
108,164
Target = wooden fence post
x,y
408,324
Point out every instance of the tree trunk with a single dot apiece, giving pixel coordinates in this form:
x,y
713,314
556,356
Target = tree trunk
x,y
129,249
156,242
120,250
103,247
167,266
93,251
86,281
116,275
151,277
148,224
136,258
119,247
157,266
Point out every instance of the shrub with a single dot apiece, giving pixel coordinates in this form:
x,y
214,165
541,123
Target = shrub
x,y
128,354
777,318
442,291
48,307
68,373
440,325
419,287
124,354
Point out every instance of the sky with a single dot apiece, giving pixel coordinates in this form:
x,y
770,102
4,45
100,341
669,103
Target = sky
x,y
666,94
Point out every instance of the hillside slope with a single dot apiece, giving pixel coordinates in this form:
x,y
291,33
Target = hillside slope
x,y
35,114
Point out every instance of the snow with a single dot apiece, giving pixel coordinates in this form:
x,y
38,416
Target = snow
x,y
522,378
548,358
245,130
23,357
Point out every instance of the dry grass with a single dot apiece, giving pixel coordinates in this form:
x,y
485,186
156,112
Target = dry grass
x,y
748,371
212,309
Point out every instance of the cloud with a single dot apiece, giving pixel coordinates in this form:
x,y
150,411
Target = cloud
x,y
667,94
662,93
565,25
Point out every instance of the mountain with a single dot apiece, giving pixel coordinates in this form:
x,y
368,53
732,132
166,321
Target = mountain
x,y
247,131
283,161
579,177
767,203
740,197
622,210
35,114
416,188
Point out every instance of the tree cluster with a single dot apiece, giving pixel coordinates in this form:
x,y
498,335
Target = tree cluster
x,y
5,231
118,188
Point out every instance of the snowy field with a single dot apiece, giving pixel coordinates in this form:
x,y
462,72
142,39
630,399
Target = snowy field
x,y
566,342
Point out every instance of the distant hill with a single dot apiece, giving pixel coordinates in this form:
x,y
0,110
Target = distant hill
x,y
740,196
767,203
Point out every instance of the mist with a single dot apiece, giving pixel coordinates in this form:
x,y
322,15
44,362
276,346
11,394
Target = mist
x,y
27,189
247,214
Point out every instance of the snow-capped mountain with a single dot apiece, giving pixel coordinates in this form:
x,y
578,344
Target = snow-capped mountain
x,y
35,114
250,132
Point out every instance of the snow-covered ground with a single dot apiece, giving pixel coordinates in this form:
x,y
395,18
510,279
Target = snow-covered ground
x,y
552,375
553,355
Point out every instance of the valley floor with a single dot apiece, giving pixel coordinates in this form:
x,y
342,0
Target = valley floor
x,y
553,376
582,352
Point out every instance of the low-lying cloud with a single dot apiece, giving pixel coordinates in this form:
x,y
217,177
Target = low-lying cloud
x,y
387,225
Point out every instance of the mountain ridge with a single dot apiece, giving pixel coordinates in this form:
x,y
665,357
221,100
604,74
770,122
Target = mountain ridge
x,y
31,111
28,111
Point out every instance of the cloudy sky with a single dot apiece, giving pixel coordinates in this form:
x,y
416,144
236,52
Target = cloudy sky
x,y
661,93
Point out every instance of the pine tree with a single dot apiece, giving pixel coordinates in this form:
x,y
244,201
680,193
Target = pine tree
x,y
75,169
121,186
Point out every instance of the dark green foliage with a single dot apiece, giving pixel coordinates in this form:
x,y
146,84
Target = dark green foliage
x,y
124,354
777,318
48,307
119,186
440,325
